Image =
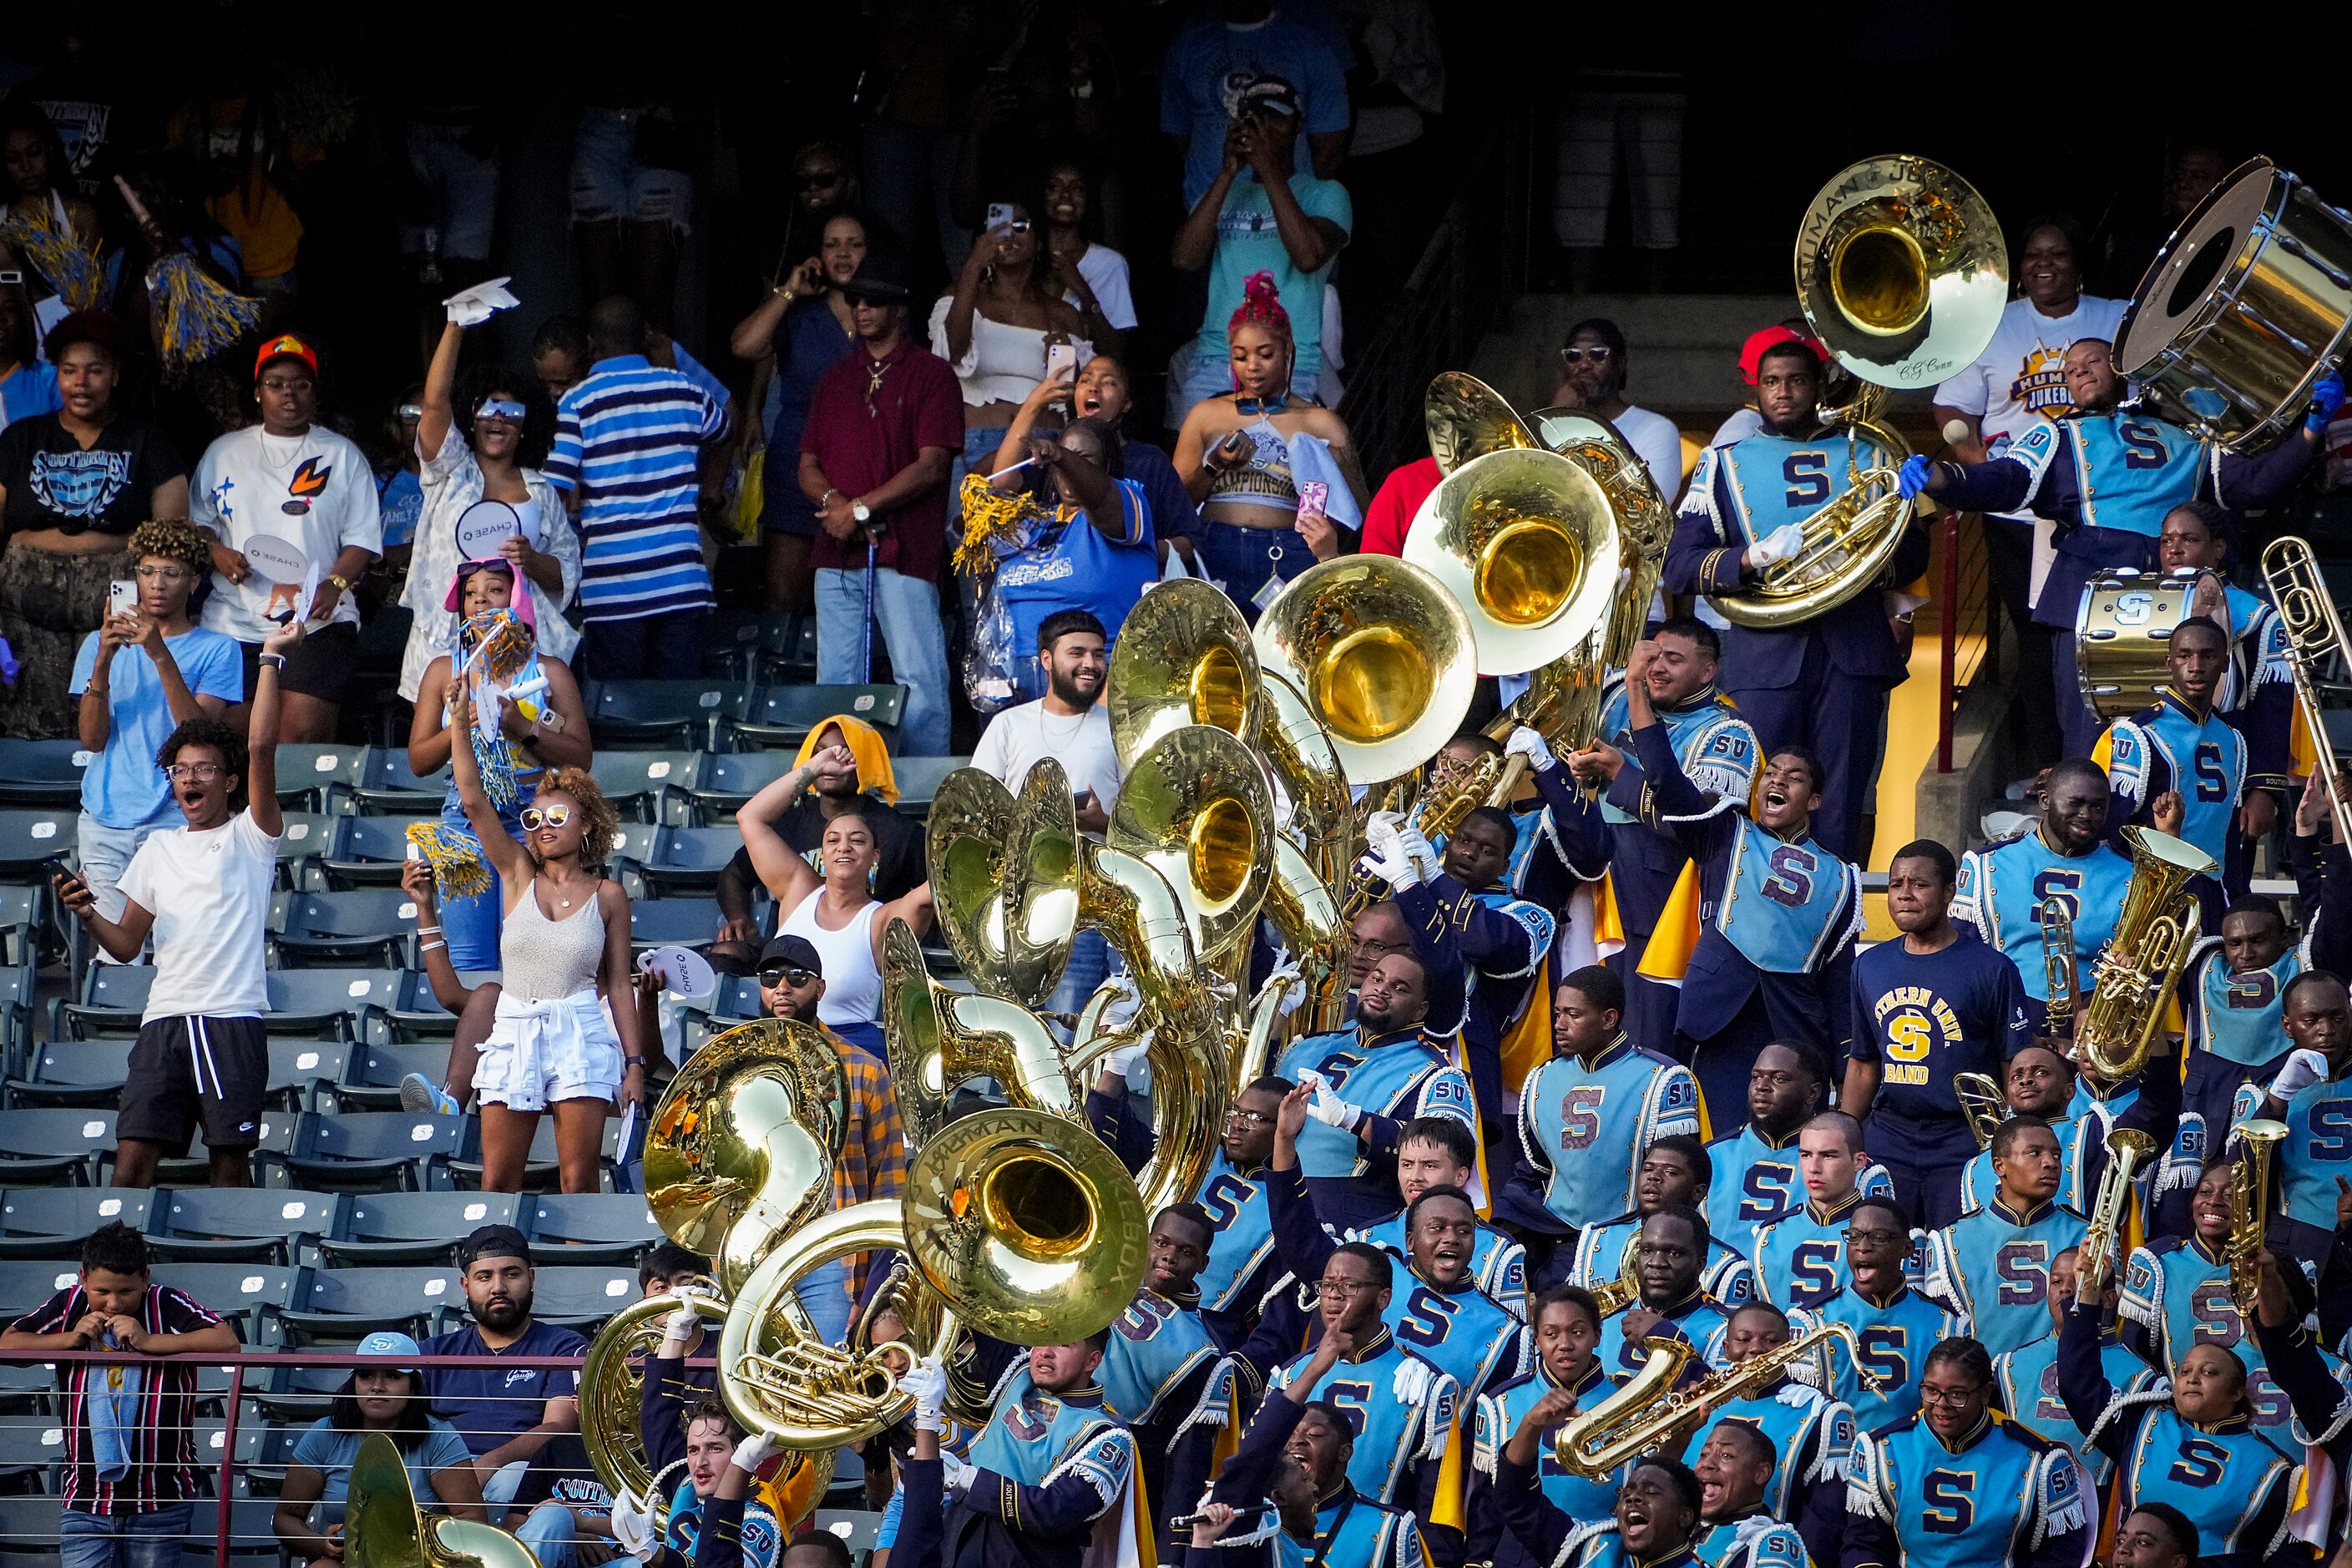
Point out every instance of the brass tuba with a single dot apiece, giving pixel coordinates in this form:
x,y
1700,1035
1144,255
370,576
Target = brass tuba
x,y
937,1038
2095,1261
2250,1198
2061,971
1196,809
1903,274
2142,961
1184,657
2315,634
384,1527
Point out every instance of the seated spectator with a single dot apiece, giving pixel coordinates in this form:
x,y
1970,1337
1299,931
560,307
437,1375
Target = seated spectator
x,y
1103,392
130,1465
505,1417
292,480
1080,538
869,788
202,892
1089,274
884,429
484,440
832,907
1276,222
159,669
389,1399
74,482
1221,51
28,383
1243,455
999,327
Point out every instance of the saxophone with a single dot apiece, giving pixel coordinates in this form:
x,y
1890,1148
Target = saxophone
x,y
2127,1149
2249,1185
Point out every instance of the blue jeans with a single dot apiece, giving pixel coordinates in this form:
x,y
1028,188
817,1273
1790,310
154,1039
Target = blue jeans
x,y
463,192
552,1533
648,648
126,1541
908,611
1238,559
608,182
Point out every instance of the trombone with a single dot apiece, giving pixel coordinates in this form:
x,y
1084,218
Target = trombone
x,y
2315,634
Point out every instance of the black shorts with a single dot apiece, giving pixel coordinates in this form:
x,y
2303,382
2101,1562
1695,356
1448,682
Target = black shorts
x,y
321,665
184,1071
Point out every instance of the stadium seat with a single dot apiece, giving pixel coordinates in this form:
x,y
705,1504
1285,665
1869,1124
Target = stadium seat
x,y
267,1156
581,1297
731,778
365,851
920,779
50,1222
231,1225
305,838
415,1228
17,987
342,1306
687,922
417,1014
732,642
112,997
29,1524
369,1150
637,782
319,778
642,715
783,715
372,1072
250,1295
25,922
539,1170
688,858
789,656
303,1071
73,1072
312,1002
31,839
296,1395
364,926
387,785
42,774
55,1147
858,1529
210,1434
28,1451
592,1227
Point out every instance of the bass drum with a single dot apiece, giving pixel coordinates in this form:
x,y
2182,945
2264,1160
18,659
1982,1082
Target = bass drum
x,y
2120,634
2244,309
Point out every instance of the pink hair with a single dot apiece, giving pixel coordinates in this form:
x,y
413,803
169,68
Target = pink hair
x,y
1261,305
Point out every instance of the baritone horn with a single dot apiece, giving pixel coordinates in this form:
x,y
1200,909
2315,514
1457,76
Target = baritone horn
x,y
2127,1149
2250,1199
2315,635
2061,971
2141,963
1982,1104
384,1527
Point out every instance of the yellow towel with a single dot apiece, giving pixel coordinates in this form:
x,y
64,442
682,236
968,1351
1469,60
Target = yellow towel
x,y
864,742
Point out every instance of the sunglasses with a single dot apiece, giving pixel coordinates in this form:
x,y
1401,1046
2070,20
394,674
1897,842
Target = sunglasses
x,y
1598,353
410,411
497,408
791,974
534,818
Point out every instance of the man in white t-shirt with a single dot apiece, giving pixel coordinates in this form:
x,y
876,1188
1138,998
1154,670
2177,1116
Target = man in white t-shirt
x,y
2017,382
1592,365
1069,724
202,892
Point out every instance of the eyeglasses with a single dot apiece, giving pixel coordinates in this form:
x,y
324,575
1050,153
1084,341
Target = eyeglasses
x,y
1367,944
161,574
500,408
1248,1118
1345,1286
410,411
553,816
286,384
1855,1232
202,772
791,973
1931,1395
1598,353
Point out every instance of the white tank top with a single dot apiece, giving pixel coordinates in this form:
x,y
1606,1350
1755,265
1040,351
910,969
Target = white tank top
x,y
852,981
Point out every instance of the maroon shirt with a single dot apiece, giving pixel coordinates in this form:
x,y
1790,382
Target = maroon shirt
x,y
161,1450
918,404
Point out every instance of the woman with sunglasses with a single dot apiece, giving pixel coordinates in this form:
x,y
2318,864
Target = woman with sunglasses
x,y
563,1036
833,910
386,1392
482,445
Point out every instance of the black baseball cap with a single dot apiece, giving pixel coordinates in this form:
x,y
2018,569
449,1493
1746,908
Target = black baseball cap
x,y
1270,93
880,280
493,1241
796,951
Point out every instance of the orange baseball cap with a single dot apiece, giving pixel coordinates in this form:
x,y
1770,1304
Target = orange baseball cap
x,y
285,346
1752,352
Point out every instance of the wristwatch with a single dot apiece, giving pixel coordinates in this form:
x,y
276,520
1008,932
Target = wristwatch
x,y
342,584
862,512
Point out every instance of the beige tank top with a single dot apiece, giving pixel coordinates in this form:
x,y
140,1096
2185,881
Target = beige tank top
x,y
542,959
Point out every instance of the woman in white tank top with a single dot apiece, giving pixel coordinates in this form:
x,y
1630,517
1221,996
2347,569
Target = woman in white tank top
x,y
840,919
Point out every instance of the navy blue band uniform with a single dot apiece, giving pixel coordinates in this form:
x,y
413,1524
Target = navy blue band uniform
x,y
2176,1296
1994,1264
1799,1256
1896,1336
2002,1494
1499,1411
1401,1407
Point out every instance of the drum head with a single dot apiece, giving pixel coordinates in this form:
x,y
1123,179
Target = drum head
x,y
2202,261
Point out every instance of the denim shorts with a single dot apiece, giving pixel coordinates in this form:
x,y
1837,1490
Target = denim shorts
x,y
607,180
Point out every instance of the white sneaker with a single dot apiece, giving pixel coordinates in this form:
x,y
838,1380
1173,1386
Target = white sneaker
x,y
418,1095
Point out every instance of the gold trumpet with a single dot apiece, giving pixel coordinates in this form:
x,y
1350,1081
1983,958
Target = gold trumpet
x,y
384,1527
1615,1295
2094,1259
2061,972
1982,1103
2141,963
2315,634
2250,1196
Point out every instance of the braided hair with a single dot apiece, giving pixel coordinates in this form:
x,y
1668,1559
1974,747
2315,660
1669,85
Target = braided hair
x,y
1261,305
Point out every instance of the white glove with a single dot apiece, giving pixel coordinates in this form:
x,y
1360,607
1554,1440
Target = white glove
x,y
1388,860
1117,1061
1424,854
2303,1068
1116,1013
929,1383
680,1324
1293,997
633,1526
1331,1110
1778,545
1525,742
481,302
958,1473
756,1450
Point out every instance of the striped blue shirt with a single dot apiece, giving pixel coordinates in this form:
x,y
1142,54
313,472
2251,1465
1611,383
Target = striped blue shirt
x,y
632,433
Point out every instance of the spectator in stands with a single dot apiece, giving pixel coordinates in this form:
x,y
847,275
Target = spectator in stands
x,y
1103,392
565,1035
474,1007
1593,362
803,329
399,494
638,454
1084,543
1089,274
481,442
1222,51
497,648
140,1517
832,909
74,482
869,788
631,197
46,229
884,429
384,1399
1242,454
2189,174
294,482
505,1416
28,383
202,891
1276,222
1396,503
560,355
138,677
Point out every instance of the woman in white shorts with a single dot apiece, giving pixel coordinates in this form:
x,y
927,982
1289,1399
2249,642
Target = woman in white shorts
x,y
565,974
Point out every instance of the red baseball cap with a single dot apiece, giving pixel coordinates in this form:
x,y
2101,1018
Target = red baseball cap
x,y
285,346
1752,352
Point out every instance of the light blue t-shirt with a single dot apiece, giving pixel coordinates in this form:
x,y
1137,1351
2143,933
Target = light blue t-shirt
x,y
122,786
26,391
398,504
1210,60
331,1452
1247,242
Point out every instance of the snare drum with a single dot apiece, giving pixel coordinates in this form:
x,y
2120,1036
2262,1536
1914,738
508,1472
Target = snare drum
x,y
2244,309
2120,636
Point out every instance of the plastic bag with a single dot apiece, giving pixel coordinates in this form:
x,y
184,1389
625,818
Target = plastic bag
x,y
991,677
750,488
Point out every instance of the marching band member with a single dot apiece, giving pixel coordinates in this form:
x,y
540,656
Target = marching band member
x,y
1811,1433
1718,750
2106,476
2025,1380
2314,1158
1241,1269
714,1518
1438,1152
1732,1466
2259,693
1755,1169
1652,1525
2316,1388
1895,1324
1936,1002
1390,1072
1994,1263
1567,1375
2192,1445
1673,1176
1049,1465
2180,762
1960,1487
1666,1265
2041,1083
2155,1535
1820,686
1162,1375
2064,855
1589,1114
1796,1252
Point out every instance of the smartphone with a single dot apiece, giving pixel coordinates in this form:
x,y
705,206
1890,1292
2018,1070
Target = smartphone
x,y
1235,442
999,215
1312,495
1061,358
122,597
